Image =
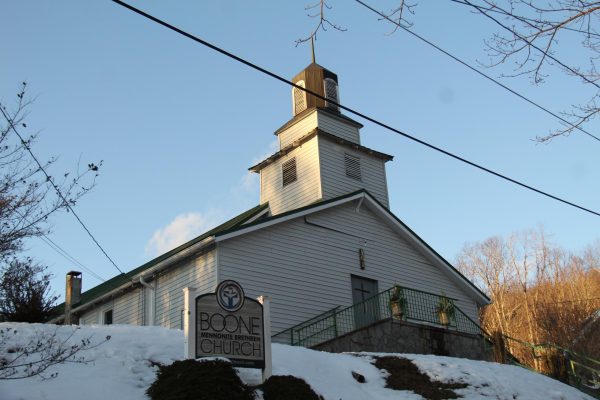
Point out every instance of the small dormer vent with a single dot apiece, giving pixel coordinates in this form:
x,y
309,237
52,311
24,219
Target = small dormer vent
x,y
299,98
288,172
331,93
352,167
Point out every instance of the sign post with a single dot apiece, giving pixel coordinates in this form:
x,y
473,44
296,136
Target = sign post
x,y
228,324
266,303
189,321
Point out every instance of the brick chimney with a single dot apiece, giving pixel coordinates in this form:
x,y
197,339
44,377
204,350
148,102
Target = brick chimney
x,y
72,295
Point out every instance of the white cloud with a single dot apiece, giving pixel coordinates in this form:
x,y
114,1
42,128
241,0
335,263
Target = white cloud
x,y
249,182
184,227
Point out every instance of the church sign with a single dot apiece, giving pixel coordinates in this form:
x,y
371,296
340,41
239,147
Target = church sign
x,y
227,324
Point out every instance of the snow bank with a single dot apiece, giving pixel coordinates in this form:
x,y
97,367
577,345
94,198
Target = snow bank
x,y
122,368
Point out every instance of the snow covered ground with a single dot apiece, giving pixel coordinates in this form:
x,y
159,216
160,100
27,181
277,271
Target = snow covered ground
x,y
122,368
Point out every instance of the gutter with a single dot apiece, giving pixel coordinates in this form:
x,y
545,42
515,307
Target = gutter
x,y
151,300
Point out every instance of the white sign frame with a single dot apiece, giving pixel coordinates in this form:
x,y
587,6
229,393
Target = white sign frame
x,y
189,327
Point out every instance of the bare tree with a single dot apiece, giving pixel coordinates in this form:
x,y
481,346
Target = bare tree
x,y
540,293
25,294
27,197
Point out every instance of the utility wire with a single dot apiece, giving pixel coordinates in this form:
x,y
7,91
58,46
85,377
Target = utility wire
x,y
56,188
483,10
529,21
54,246
571,301
478,71
350,110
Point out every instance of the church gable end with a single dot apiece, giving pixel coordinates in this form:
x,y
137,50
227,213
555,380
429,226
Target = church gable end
x,y
305,264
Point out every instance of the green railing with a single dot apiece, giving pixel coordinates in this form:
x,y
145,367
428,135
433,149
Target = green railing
x,y
287,336
415,305
563,364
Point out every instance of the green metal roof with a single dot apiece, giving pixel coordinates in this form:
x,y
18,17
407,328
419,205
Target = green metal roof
x,y
124,278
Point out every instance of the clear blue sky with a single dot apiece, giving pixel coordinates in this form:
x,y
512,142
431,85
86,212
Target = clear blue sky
x,y
177,124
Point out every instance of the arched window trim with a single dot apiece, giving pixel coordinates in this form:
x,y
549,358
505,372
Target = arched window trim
x,y
298,98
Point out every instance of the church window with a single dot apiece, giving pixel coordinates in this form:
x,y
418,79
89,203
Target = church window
x,y
299,98
108,317
352,167
288,172
331,93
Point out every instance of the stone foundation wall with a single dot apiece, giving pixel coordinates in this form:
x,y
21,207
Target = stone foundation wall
x,y
392,336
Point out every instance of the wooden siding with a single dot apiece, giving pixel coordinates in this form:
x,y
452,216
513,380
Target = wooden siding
x,y
299,129
305,190
128,308
337,127
94,315
333,172
198,272
306,269
90,317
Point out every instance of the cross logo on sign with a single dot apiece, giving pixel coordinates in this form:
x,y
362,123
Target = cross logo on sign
x,y
230,295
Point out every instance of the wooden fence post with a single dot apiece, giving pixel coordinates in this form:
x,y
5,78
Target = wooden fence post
x,y
499,348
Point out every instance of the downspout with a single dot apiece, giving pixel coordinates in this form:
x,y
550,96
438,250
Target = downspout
x,y
152,298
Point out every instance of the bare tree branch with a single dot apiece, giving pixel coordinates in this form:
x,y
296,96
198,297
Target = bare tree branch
x,y
530,38
398,16
323,21
35,356
27,196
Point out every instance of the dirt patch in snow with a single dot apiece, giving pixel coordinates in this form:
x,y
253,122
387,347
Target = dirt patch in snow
x,y
404,375
288,387
198,380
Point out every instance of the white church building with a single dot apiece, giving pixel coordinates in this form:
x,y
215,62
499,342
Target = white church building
x,y
322,235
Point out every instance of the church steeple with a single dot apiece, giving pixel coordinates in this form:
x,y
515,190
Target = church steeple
x,y
320,156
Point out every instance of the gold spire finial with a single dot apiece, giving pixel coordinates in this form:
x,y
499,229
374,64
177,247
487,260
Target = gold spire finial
x,y
312,45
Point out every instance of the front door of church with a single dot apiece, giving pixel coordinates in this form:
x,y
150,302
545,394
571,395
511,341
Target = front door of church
x,y
365,312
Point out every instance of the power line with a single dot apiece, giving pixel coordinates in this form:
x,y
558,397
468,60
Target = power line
x,y
350,110
54,246
531,21
571,301
482,10
478,71
56,188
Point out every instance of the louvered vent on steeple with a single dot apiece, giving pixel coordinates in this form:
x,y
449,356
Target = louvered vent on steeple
x,y
288,172
299,98
331,93
352,167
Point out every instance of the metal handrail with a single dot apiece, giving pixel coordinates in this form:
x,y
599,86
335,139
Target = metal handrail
x,y
418,306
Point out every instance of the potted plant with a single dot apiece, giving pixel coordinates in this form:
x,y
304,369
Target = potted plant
x,y
445,310
397,302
